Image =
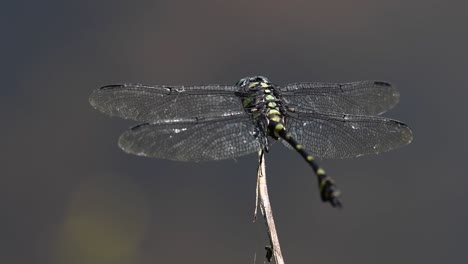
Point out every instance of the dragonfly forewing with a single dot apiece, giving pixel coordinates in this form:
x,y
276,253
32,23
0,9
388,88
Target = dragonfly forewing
x,y
155,103
357,98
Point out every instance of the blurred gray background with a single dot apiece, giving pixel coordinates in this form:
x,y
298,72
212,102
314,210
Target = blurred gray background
x,y
69,195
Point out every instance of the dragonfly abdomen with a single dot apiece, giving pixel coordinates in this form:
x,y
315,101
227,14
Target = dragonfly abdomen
x,y
328,190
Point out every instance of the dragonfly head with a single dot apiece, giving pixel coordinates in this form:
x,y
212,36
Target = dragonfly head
x,y
248,80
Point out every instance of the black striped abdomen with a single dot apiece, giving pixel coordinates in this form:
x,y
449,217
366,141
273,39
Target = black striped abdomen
x,y
327,187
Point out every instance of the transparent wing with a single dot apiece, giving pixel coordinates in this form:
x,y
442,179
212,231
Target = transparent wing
x,y
192,140
358,98
346,136
153,103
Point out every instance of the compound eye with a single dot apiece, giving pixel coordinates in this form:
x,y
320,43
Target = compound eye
x,y
241,82
259,79
263,79
254,79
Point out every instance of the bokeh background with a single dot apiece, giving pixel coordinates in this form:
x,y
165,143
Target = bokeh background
x,y
69,195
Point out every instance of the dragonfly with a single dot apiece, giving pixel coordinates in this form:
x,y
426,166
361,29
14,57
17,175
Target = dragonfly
x,y
217,122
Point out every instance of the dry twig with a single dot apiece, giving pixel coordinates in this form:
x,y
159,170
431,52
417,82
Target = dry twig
x,y
265,207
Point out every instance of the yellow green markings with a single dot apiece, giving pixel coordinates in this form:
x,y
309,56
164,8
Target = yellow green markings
x,y
278,128
275,118
252,85
320,171
247,101
272,104
299,147
273,112
270,97
288,136
323,179
264,85
309,158
267,91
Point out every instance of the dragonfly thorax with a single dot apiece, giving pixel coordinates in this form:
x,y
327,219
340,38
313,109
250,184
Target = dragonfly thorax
x,y
261,99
